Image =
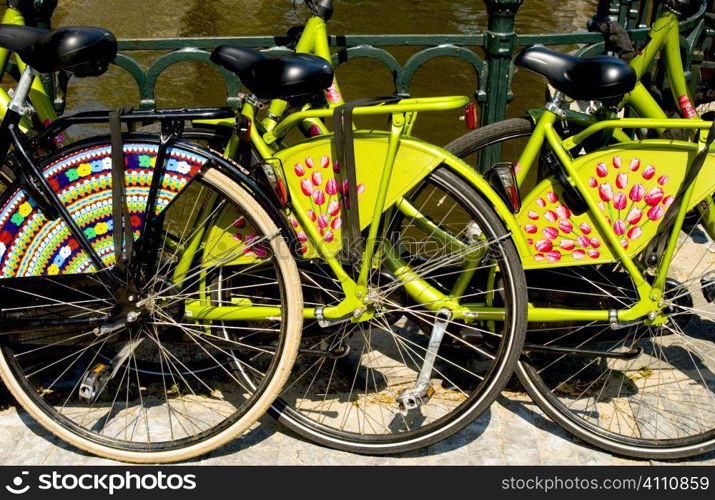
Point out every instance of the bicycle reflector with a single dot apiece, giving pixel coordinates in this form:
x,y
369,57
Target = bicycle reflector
x,y
271,172
503,179
470,115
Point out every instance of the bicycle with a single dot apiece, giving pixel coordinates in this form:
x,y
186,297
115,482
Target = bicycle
x,y
599,383
369,386
94,303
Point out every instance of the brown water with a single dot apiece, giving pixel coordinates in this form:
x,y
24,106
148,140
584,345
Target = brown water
x,y
196,84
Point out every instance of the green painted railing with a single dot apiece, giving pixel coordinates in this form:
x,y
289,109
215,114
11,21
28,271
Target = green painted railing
x,y
494,70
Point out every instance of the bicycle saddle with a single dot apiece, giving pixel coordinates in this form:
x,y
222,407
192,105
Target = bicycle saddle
x,y
84,51
275,77
578,77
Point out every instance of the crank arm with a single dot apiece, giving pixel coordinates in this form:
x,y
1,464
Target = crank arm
x,y
586,353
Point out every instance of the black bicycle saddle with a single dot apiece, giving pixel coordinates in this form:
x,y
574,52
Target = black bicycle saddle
x,y
581,78
275,77
84,51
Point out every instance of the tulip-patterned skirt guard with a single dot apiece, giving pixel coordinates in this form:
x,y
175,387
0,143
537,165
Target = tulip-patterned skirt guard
x,y
633,190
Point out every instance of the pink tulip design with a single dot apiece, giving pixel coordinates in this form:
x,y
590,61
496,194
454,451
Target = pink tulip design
x,y
539,257
312,215
552,197
668,201
302,237
317,178
601,170
345,186
617,162
329,236
530,228
361,188
595,243
532,215
637,192
303,249
324,161
619,227
653,196
293,222
529,241
563,212
319,197
299,170
578,254
541,202
634,233
307,187
605,191
334,207
624,243
656,212
550,216
585,228
553,256
663,180
622,180
337,223
544,245
240,223
584,241
567,244
634,216
336,167
550,232
635,164
648,172
309,162
322,221
620,201
592,182
594,254
565,226
331,187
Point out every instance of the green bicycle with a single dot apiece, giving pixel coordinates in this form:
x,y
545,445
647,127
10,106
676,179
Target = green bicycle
x,y
642,390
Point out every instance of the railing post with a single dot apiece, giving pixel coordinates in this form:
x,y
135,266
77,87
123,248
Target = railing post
x,y
499,44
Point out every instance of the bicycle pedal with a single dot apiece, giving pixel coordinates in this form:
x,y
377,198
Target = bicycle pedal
x,y
94,381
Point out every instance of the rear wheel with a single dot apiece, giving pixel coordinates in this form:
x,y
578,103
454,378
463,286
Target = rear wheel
x,y
350,387
652,392
163,386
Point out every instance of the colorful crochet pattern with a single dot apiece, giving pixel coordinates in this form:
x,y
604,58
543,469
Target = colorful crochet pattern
x,y
32,245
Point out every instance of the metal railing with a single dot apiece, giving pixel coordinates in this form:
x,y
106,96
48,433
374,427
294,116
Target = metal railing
x,y
498,44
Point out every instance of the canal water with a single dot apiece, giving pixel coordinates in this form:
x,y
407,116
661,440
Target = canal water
x,y
195,84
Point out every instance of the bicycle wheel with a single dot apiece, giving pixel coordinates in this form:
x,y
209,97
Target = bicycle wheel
x,y
127,368
660,402
350,387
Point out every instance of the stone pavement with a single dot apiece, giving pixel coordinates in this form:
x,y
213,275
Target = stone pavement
x,y
513,432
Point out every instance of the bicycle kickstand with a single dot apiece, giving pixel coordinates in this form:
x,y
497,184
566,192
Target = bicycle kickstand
x,y
413,398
